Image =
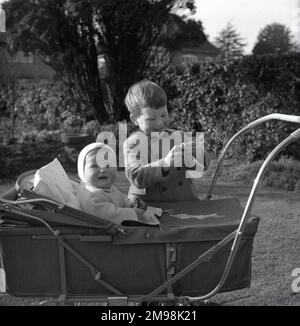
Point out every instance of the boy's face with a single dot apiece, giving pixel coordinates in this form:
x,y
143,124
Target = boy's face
x,y
98,177
151,119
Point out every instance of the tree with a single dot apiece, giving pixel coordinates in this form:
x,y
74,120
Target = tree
x,y
180,33
274,38
73,33
55,30
230,43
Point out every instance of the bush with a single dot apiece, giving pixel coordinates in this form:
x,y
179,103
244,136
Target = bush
x,y
217,98
39,106
18,158
282,174
91,128
35,136
223,98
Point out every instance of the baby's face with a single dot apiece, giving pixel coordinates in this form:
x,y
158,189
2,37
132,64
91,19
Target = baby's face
x,y
152,120
98,177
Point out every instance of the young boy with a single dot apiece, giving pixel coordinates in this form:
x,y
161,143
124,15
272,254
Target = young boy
x,y
154,177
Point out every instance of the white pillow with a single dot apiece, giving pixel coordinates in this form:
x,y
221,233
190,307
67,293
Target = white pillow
x,y
53,182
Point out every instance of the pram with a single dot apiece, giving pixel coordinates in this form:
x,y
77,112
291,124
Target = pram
x,y
52,250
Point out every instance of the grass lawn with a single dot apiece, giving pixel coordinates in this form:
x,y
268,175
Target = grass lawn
x,y
276,247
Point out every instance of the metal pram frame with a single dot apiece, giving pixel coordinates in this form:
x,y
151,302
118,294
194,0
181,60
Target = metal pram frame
x,y
117,298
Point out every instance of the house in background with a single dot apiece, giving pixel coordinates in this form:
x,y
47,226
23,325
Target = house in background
x,y
189,49
22,66
193,54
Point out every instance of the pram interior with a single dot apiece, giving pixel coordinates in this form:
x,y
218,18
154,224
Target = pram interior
x,y
82,256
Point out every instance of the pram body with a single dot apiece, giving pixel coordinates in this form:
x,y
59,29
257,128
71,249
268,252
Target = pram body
x,y
57,251
132,262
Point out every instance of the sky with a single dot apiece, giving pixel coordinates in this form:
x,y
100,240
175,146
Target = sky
x,y
247,16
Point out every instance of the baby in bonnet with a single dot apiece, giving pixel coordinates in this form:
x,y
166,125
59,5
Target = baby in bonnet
x,y
97,169
96,195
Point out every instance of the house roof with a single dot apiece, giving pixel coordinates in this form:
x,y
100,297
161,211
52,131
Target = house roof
x,y
205,47
208,47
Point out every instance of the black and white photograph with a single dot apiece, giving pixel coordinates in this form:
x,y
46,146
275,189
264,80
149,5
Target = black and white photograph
x,y
149,155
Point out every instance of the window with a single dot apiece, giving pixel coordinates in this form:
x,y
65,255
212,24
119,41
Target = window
x,y
189,59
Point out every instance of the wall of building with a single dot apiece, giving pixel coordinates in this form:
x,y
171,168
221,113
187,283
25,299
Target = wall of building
x,y
190,57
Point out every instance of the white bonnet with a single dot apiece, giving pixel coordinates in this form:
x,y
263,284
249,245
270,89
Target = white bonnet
x,y
84,152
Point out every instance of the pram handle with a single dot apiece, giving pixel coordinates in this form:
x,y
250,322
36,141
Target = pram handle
x,y
10,194
33,201
273,116
239,232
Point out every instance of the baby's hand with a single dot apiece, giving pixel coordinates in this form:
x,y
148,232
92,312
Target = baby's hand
x,y
139,203
150,219
139,212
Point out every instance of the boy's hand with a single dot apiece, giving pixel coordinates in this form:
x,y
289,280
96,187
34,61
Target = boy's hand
x,y
175,155
190,148
190,154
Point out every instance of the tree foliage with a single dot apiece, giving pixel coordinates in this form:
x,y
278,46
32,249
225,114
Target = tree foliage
x,y
73,33
180,33
230,43
274,38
